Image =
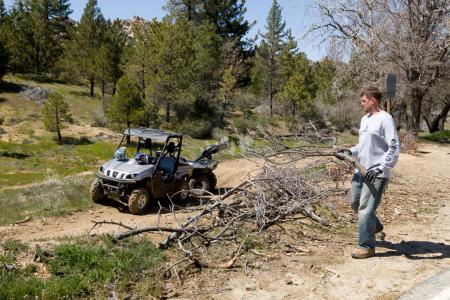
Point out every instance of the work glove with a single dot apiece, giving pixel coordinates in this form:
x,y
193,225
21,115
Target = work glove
x,y
342,153
372,174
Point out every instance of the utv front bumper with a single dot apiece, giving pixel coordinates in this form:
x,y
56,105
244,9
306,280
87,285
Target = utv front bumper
x,y
115,187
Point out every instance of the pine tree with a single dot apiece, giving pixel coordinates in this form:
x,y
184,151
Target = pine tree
x,y
228,20
80,53
226,93
60,25
34,31
169,58
186,8
324,74
3,60
269,52
56,113
40,33
227,16
3,52
115,42
300,88
3,12
126,105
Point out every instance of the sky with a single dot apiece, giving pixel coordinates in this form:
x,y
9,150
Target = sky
x,y
298,14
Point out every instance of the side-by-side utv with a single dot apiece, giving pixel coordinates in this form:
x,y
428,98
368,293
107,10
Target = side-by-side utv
x,y
138,173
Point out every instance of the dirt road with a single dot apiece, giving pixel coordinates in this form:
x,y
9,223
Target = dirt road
x,y
229,173
417,245
416,213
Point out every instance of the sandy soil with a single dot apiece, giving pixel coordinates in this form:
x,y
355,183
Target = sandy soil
x,y
415,210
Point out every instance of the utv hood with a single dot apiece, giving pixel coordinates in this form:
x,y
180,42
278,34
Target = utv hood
x,y
125,169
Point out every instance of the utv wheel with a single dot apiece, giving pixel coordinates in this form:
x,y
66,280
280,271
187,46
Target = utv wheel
x,y
138,201
96,191
212,181
183,194
198,185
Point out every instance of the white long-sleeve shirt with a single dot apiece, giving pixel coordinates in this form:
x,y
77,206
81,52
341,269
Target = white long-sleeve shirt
x,y
378,146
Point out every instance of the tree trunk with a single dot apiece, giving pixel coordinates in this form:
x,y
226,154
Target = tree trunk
x,y
128,137
143,82
168,112
293,111
36,62
417,95
271,98
103,88
438,122
58,129
92,86
114,87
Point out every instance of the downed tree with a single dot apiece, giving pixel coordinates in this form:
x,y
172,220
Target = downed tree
x,y
294,177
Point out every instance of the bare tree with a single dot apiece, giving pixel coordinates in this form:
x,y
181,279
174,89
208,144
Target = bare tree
x,y
407,37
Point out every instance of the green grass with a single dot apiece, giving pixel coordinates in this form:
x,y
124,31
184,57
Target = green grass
x,y
442,136
81,105
54,196
88,269
29,163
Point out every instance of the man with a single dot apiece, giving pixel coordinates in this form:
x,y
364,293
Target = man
x,y
377,150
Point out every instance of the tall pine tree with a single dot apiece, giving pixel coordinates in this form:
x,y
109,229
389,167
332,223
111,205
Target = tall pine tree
x,y
268,53
80,53
34,31
3,51
300,88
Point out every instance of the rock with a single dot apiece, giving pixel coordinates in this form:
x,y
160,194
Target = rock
x,y
36,94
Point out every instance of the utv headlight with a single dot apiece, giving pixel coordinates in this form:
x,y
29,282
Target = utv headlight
x,y
131,176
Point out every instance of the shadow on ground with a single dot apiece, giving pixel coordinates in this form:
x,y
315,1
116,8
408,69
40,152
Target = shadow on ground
x,y
14,155
10,87
85,94
415,249
68,140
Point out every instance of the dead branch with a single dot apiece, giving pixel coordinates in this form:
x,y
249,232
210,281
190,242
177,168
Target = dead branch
x,y
294,178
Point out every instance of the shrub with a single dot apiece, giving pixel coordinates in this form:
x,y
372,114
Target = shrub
x,y
98,120
343,116
442,136
242,124
408,141
199,129
10,121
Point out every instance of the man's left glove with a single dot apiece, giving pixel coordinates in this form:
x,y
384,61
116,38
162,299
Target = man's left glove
x,y
372,174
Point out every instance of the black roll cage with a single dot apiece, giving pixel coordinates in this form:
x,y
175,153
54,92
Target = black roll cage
x,y
148,143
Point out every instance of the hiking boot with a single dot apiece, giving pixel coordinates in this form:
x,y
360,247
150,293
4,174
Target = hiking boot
x,y
362,252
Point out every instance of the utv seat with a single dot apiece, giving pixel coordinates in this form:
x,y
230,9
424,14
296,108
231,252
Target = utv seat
x,y
167,164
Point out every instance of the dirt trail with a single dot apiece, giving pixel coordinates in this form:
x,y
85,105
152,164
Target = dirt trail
x,y
417,244
416,247
229,173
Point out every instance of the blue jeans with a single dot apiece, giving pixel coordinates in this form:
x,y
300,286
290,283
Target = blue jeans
x,y
365,199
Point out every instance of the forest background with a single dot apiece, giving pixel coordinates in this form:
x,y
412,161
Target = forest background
x,y
197,71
